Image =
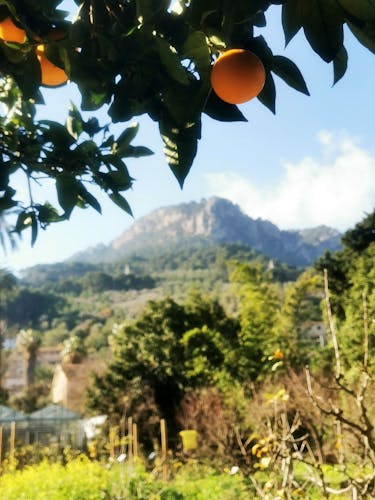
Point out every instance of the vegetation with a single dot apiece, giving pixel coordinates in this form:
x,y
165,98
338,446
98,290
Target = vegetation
x,y
275,374
82,479
135,57
169,348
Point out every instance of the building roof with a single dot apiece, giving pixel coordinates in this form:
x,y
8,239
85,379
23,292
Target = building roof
x,y
9,415
54,412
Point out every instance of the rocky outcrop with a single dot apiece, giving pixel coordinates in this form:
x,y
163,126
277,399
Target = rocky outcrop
x,y
217,220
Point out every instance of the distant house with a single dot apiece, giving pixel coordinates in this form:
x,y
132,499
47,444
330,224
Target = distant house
x,y
70,382
15,374
15,377
316,330
49,355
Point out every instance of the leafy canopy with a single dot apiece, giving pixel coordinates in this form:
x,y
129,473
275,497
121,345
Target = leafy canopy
x,y
135,57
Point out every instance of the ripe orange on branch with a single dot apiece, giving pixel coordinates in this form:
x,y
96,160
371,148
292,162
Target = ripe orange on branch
x,y
237,76
52,75
9,32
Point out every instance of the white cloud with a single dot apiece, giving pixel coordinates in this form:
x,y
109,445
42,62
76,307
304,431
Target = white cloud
x,y
336,189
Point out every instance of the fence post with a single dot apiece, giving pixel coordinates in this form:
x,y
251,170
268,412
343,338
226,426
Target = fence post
x,y
130,440
163,432
135,441
112,442
1,444
12,441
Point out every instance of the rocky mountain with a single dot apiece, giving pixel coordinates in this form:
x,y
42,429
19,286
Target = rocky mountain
x,y
213,221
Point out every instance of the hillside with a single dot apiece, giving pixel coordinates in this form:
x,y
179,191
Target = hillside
x,y
57,298
210,222
166,253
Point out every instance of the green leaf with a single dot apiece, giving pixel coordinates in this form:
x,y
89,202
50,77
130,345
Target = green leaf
x,y
136,152
6,203
323,26
259,20
125,138
180,147
123,107
108,143
87,148
170,60
147,9
196,49
217,109
268,95
4,176
89,198
67,193
340,64
365,35
259,46
92,99
74,122
92,126
184,104
24,220
34,229
121,202
291,19
28,75
57,134
361,9
289,72
119,180
47,213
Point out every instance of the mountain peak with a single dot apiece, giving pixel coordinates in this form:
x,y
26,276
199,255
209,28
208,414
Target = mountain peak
x,y
217,220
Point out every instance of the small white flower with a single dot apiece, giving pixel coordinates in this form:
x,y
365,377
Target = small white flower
x,y
121,458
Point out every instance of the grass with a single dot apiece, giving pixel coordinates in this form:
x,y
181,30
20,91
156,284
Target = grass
x,y
82,479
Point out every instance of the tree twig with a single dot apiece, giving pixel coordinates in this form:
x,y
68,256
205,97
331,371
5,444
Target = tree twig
x,y
332,326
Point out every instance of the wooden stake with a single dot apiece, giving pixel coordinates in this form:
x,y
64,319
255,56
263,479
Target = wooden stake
x,y
130,440
135,440
163,431
1,444
112,442
12,441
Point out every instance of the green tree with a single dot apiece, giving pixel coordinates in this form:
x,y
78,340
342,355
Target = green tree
x,y
169,348
351,283
27,307
74,350
7,281
302,305
359,303
138,57
341,264
28,342
259,303
8,284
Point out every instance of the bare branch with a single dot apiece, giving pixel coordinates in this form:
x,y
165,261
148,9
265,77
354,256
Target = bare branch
x,y
332,326
365,326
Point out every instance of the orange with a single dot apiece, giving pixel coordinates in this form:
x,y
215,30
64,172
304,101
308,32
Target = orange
x,y
237,76
278,354
52,75
9,32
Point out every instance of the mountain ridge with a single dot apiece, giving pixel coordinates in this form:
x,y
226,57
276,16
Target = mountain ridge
x,y
212,221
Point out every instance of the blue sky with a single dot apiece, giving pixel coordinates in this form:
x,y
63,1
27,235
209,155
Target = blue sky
x,y
313,163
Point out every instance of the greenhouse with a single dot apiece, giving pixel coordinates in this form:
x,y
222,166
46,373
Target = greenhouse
x,y
51,424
